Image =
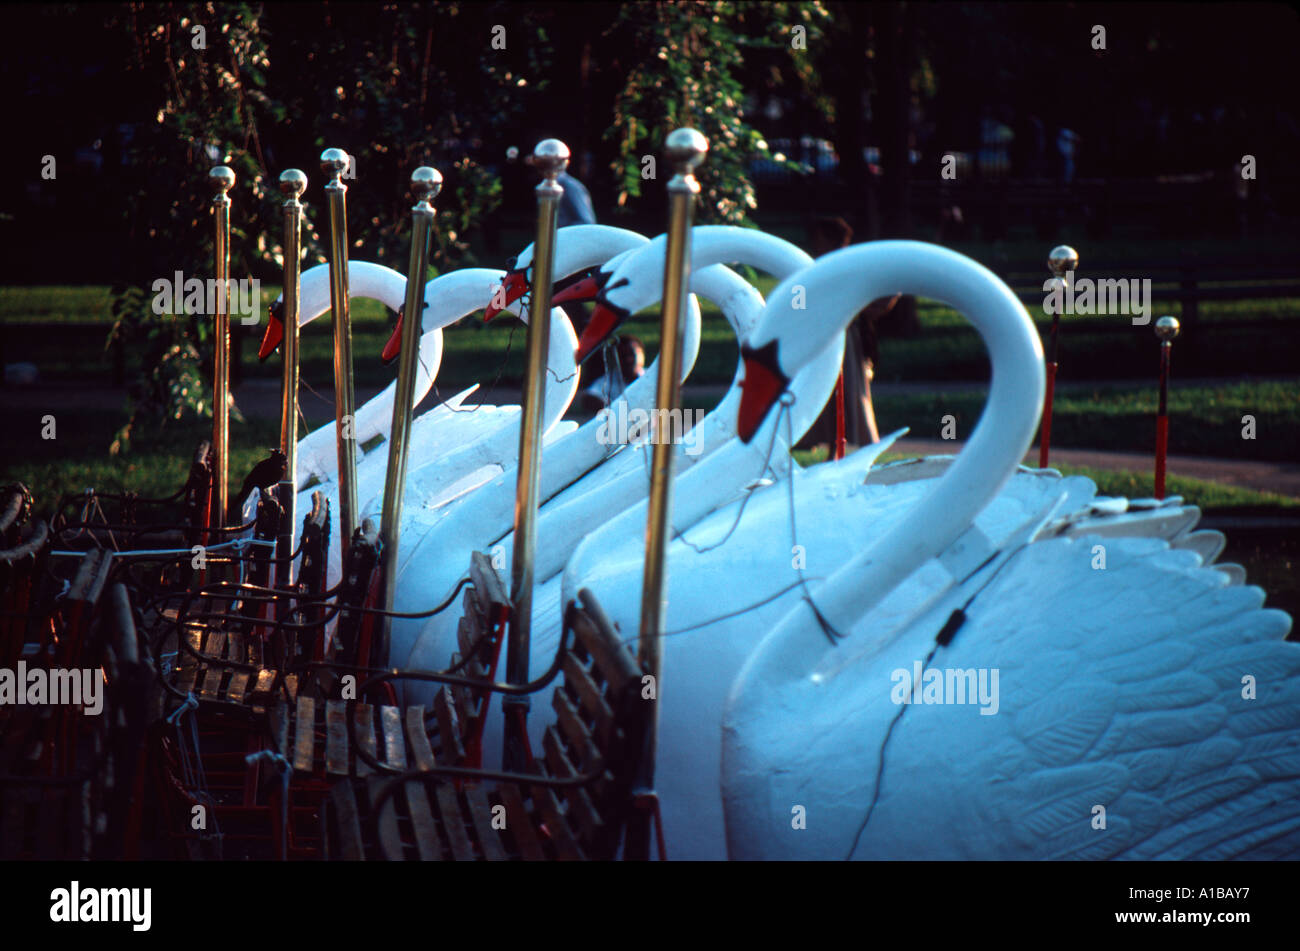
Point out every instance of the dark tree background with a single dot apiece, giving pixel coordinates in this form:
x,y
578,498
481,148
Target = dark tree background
x,y
843,107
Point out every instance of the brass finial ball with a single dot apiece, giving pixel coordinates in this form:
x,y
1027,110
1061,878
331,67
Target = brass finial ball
x,y
426,182
334,162
222,179
1167,328
551,157
1062,258
293,182
686,149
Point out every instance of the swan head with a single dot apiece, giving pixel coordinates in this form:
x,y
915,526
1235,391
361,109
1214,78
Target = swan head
x,y
762,386
639,282
394,345
582,287
606,317
578,249
513,286
274,330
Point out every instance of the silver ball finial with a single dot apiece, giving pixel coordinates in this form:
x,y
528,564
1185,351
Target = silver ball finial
x,y
293,182
334,162
1061,259
222,179
1167,328
426,182
686,149
551,157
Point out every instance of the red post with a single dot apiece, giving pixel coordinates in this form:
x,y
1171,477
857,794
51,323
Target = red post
x,y
1045,434
1166,329
840,441
1162,444
1062,262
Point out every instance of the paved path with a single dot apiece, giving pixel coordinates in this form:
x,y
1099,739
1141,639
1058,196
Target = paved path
x,y
1280,477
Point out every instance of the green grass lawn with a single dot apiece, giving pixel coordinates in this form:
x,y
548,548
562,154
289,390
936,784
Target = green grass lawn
x,y
78,458
1203,420
158,463
1230,338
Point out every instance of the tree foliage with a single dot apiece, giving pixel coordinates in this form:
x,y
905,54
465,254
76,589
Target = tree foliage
x,y
261,90
683,66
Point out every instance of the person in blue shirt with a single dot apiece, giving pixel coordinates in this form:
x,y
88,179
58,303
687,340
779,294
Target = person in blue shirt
x,y
575,206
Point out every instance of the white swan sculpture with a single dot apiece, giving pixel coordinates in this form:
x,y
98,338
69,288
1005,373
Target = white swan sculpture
x,y
438,541
620,480
447,299
431,474
1140,707
317,452
734,576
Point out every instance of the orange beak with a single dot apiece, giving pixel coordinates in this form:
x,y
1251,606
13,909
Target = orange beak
x,y
274,331
583,290
760,389
604,321
513,286
394,345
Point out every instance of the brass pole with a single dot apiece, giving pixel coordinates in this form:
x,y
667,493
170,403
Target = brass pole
x,y
425,183
550,158
222,179
685,148
334,162
292,184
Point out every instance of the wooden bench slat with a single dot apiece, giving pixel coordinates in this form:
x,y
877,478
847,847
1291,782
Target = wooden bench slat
x,y
265,681
557,824
594,631
238,683
212,683
421,752
519,824
422,822
348,819
336,739
466,635
365,729
480,813
462,698
453,822
472,615
487,581
390,839
215,647
578,798
574,731
449,729
305,738
390,719
590,699
187,662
